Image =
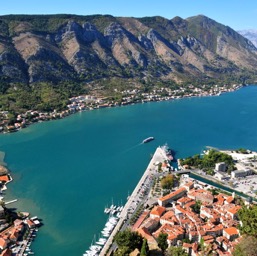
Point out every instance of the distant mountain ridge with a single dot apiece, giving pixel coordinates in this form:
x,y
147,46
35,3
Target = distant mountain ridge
x,y
59,48
250,34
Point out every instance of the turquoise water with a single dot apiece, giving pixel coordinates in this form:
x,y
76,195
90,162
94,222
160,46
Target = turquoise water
x,y
67,171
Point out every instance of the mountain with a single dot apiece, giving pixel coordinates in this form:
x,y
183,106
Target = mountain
x,y
250,34
70,52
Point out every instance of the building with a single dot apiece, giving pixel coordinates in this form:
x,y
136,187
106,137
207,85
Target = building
x,y
220,167
172,196
241,173
157,212
221,175
231,233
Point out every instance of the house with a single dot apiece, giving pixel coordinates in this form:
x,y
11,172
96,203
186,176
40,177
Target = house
x,y
220,167
151,224
157,212
189,185
241,173
3,243
163,201
233,211
147,235
30,224
231,233
187,247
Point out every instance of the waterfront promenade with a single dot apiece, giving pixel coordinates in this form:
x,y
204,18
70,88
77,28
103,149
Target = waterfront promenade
x,y
159,156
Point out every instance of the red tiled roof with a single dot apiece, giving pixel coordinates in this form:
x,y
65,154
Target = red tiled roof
x,y
3,243
158,210
235,209
167,197
140,220
231,231
4,178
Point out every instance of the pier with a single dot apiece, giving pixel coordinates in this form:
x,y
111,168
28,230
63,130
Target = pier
x,y
159,156
12,201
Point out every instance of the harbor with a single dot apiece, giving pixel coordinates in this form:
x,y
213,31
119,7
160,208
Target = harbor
x,y
133,200
119,215
104,161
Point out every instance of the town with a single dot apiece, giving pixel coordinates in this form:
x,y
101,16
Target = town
x,y
200,218
10,122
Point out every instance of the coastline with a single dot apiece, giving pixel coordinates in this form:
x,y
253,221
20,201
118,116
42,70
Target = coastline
x,y
19,229
88,102
158,156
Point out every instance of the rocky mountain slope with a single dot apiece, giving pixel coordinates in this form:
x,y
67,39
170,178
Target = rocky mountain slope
x,y
250,34
58,48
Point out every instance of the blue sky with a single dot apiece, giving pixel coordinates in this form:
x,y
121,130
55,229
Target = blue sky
x,y
238,14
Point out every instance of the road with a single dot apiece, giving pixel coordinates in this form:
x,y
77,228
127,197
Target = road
x,y
134,200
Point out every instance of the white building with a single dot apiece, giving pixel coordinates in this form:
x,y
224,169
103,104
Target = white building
x,y
241,173
221,176
220,167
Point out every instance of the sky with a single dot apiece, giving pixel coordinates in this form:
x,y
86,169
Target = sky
x,y
238,14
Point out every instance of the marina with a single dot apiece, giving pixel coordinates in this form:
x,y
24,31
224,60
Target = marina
x,y
134,199
114,215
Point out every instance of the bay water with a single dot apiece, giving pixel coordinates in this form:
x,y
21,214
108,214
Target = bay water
x,y
67,171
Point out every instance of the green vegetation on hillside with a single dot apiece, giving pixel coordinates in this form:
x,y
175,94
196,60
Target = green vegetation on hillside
x,y
248,244
42,97
49,23
246,247
248,217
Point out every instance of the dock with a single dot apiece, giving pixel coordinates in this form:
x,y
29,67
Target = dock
x,y
159,156
12,201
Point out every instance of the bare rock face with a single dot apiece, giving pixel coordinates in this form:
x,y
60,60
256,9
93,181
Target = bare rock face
x,y
250,34
81,48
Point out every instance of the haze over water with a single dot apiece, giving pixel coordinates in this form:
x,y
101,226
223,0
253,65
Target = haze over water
x,y
67,171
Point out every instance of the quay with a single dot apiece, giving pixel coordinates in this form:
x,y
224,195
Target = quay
x,y
12,201
159,156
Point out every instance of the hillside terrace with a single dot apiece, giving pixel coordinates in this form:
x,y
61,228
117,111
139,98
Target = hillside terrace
x,y
215,225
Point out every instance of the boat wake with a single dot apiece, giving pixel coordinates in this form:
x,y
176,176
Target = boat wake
x,y
131,148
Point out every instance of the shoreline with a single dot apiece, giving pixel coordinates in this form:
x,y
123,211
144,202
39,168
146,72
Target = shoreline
x,y
19,229
83,103
158,156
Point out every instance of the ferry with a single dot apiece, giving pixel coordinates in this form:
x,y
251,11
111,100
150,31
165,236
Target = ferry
x,y
148,139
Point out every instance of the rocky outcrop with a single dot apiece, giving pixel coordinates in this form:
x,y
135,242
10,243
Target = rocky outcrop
x,y
81,48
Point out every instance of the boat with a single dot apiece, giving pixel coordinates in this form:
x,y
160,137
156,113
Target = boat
x,y
168,152
148,139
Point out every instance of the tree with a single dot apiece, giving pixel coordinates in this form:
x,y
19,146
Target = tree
x,y
144,249
176,251
246,247
248,217
128,241
197,206
167,182
162,241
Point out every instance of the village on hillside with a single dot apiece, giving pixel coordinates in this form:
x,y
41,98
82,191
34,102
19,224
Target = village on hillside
x,y
10,122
